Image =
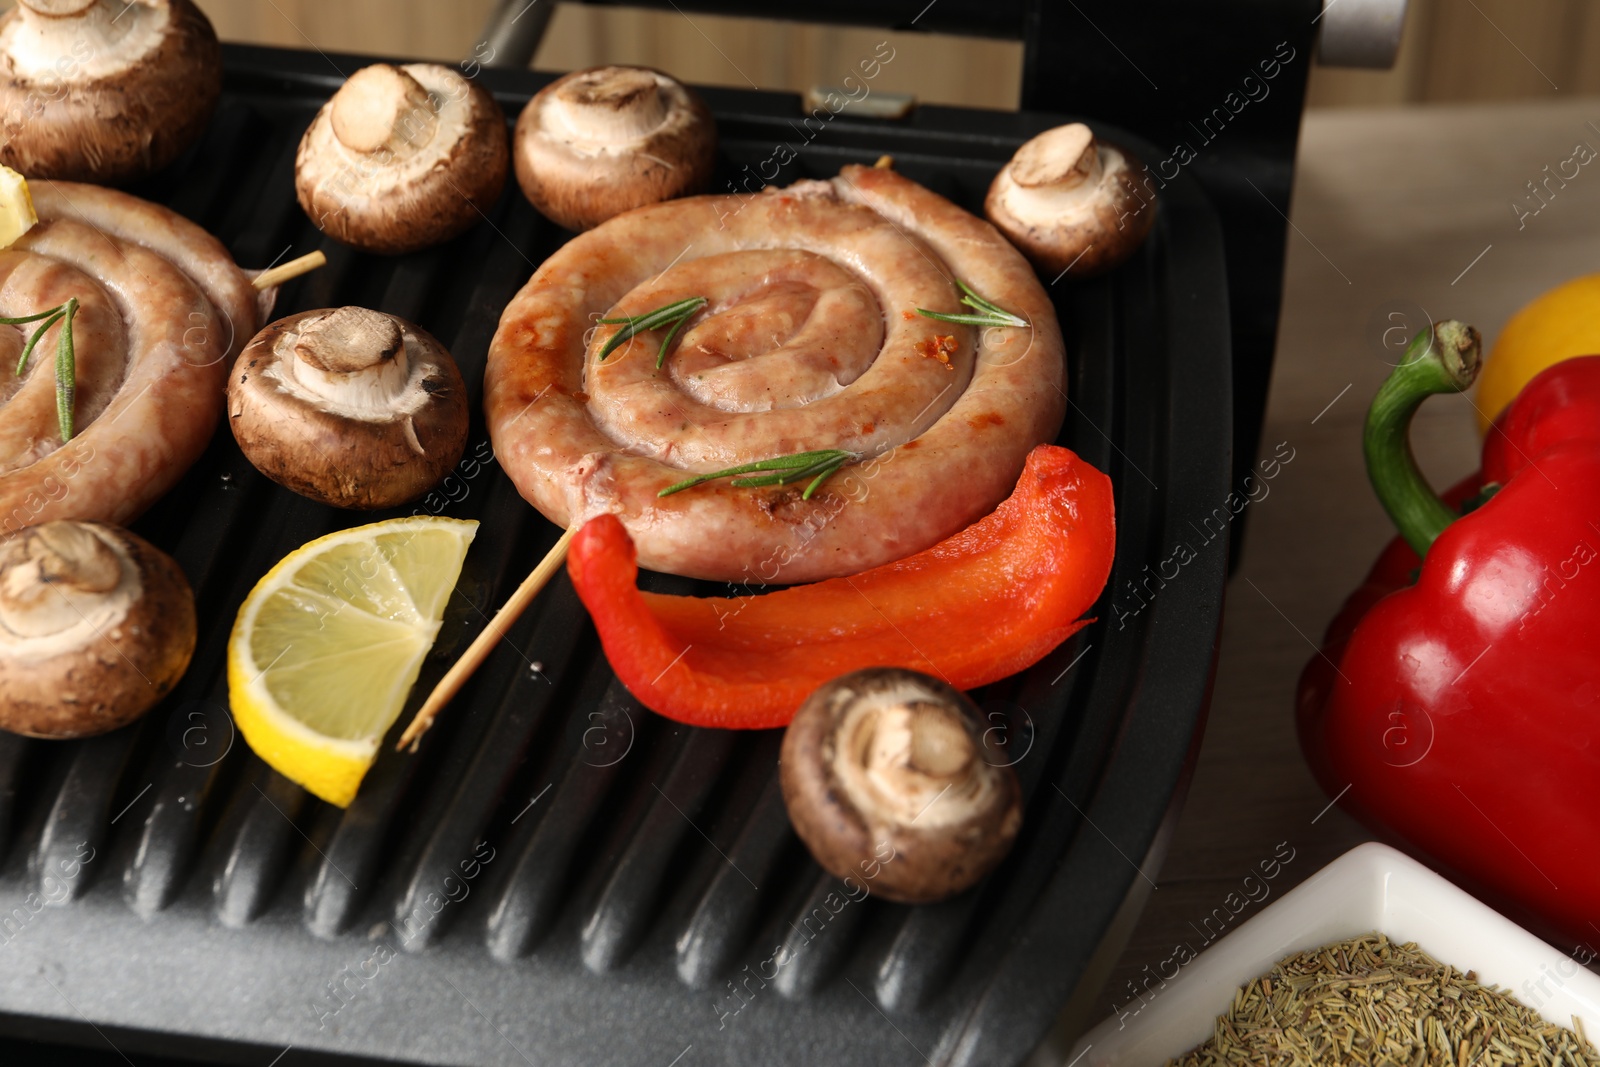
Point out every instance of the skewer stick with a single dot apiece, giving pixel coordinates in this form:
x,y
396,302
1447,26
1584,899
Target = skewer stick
x,y
293,269
479,650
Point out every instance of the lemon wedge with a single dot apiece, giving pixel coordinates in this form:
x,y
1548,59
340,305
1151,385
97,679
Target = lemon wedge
x,y
328,644
17,216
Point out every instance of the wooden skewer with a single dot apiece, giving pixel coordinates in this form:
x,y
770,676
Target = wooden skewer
x,y
293,269
479,650
884,163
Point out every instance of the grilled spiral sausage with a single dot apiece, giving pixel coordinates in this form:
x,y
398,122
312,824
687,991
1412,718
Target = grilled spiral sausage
x,y
810,341
161,308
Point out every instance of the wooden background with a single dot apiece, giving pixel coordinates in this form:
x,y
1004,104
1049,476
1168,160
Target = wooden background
x,y
1453,50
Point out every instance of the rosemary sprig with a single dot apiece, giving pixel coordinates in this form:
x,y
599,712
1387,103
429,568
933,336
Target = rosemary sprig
x,y
66,358
675,314
819,466
991,314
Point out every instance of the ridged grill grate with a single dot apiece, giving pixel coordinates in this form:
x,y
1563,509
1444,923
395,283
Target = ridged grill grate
x,y
560,876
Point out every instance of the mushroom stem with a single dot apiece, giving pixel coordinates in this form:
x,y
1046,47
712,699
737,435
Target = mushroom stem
x,y
352,356
618,105
384,108
61,577
908,756
1063,158
910,759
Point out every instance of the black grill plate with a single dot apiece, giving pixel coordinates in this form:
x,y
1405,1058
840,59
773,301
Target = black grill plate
x,y
560,877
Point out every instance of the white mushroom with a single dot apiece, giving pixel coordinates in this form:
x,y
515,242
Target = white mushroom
x,y
101,90
599,142
96,626
402,158
1067,200
349,406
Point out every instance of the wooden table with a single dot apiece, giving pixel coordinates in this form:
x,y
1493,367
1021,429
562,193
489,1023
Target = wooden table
x,y
1406,210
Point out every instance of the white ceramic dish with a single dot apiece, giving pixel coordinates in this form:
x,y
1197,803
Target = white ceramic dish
x,y
1372,887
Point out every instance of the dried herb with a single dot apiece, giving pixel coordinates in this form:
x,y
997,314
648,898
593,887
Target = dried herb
x,y
1369,1001
819,466
66,358
674,315
989,313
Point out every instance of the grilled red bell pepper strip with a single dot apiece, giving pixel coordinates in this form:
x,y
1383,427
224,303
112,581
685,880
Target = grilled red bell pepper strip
x,y
1457,706
978,606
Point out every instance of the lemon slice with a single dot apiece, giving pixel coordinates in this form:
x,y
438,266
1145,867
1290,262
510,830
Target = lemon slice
x,y
328,645
16,207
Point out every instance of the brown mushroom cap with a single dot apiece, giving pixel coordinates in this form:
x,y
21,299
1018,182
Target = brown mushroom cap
x,y
348,406
1067,200
890,770
96,91
96,626
401,158
599,142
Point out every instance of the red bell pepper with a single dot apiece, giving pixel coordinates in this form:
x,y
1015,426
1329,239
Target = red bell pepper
x,y
978,606
1457,706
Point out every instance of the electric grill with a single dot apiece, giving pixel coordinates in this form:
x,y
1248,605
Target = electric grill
x,y
559,876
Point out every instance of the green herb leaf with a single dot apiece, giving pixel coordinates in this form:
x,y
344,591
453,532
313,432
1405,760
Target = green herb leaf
x,y
27,349
66,372
666,342
66,357
819,466
990,313
23,320
674,315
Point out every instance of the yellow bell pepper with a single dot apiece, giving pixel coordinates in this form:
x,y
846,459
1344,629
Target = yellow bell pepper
x,y
1556,325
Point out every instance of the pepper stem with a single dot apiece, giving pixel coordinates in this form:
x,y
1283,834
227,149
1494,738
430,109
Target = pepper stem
x,y
1442,359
